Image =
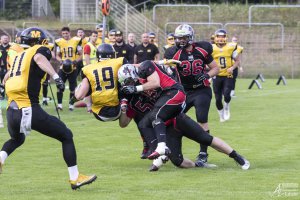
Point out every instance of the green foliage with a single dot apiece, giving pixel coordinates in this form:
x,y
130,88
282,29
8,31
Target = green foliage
x,y
264,127
55,6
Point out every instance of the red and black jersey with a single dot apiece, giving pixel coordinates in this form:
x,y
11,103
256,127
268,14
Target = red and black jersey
x,y
166,81
192,62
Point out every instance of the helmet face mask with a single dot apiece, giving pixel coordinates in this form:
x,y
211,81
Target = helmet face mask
x,y
220,37
184,35
33,36
105,51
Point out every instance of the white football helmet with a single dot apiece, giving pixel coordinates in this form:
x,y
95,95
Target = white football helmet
x,y
127,75
184,35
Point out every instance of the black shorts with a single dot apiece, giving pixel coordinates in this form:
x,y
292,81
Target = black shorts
x,y
222,86
41,122
199,98
108,113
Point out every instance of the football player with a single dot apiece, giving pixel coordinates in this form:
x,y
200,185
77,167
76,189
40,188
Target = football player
x,y
139,105
235,71
99,29
66,49
226,55
112,36
24,112
169,102
170,41
84,41
101,83
194,57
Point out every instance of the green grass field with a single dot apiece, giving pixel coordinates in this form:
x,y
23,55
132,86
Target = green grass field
x,y
264,127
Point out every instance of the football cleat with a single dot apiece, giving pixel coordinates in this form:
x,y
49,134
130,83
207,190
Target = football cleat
x,y
158,162
82,180
226,111
59,107
45,103
71,107
221,114
202,157
145,153
159,152
245,164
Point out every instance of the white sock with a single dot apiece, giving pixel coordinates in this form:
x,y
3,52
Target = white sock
x,y
226,105
161,145
45,99
73,172
157,162
59,105
3,156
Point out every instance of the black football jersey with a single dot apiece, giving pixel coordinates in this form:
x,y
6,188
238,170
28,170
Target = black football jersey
x,y
192,62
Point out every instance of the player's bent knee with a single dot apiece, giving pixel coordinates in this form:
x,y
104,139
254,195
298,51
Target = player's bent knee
x,y
176,160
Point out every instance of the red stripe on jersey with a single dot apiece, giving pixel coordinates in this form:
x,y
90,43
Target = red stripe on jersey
x,y
178,99
165,80
202,51
177,54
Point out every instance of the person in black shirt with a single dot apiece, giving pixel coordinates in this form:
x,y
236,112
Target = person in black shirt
x,y
145,51
122,49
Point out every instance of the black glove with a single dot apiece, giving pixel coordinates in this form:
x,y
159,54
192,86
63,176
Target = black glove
x,y
202,77
74,62
2,91
59,84
129,89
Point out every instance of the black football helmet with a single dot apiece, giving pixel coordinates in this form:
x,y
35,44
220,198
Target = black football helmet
x,y
67,66
105,51
32,36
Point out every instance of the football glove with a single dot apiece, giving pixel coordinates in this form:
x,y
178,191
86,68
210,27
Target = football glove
x,y
59,84
202,77
2,91
74,62
129,89
170,62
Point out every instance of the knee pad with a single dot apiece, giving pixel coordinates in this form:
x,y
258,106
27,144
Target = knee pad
x,y
176,160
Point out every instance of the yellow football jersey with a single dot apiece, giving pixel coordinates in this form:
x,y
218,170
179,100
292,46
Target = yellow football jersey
x,y
25,77
84,41
103,79
68,48
12,52
239,49
223,56
99,41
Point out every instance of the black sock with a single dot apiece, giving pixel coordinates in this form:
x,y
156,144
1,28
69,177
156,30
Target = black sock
x,y
233,154
59,97
203,148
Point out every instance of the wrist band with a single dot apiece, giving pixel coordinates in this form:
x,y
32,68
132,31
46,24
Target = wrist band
x,y
55,76
139,88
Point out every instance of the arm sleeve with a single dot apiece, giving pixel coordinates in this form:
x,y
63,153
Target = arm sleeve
x,y
209,49
45,52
